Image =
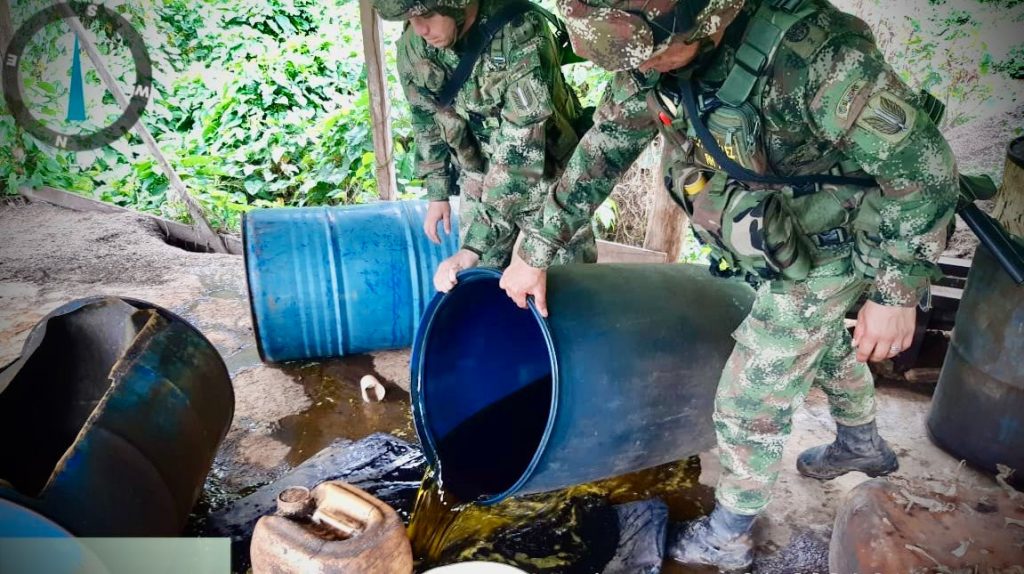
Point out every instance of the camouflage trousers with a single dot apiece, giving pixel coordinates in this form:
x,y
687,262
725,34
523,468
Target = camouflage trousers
x,y
793,338
582,248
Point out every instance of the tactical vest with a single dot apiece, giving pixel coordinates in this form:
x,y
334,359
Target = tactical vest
x,y
741,213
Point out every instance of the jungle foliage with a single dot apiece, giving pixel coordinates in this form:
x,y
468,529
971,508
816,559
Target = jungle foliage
x,y
264,102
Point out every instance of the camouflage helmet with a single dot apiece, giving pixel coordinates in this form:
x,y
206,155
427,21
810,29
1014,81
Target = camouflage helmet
x,y
622,34
405,9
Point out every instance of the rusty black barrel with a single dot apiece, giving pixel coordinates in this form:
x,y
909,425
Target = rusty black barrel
x,y
977,412
111,418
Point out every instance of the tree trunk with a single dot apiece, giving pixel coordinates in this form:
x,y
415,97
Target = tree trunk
x,y
1009,209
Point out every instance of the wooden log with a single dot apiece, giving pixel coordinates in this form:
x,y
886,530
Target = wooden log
x,y
1009,209
666,220
206,233
380,106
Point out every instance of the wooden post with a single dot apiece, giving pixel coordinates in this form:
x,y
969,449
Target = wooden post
x,y
1009,209
380,107
666,219
6,25
206,234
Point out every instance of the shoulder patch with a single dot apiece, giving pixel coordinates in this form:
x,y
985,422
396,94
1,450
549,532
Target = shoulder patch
x,y
888,116
524,97
846,100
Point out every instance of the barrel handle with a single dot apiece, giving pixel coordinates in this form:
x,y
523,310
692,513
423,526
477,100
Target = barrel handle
x,y
345,510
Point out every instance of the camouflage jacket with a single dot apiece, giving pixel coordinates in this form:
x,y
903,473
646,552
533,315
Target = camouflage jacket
x,y
829,97
510,129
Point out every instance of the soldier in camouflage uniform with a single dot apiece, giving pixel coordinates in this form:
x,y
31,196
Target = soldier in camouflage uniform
x,y
507,135
821,100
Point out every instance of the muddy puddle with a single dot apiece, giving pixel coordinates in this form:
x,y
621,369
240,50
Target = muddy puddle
x,y
338,410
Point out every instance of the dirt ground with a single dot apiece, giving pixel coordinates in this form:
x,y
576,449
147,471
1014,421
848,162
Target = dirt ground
x,y
284,414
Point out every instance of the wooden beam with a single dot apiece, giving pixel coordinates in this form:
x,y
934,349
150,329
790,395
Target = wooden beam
x,y
1009,208
608,252
203,229
666,219
179,232
380,106
6,25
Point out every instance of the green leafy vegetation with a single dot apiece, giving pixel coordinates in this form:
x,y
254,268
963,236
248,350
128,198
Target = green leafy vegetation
x,y
1013,65
257,103
264,102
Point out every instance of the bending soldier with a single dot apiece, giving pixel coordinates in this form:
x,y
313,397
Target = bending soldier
x,y
804,161
506,135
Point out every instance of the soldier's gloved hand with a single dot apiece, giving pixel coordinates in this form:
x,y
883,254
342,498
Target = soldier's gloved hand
x,y
445,276
520,280
437,211
883,331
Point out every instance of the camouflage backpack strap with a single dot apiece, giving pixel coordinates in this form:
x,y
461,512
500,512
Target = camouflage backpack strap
x,y
801,184
477,40
765,32
483,32
562,41
767,28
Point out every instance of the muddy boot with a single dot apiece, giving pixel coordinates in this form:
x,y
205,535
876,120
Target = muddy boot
x,y
721,539
855,448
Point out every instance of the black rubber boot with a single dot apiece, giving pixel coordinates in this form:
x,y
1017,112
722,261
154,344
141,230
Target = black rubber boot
x,y
721,539
855,448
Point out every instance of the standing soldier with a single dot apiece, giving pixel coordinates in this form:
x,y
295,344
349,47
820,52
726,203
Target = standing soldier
x,y
506,132
804,161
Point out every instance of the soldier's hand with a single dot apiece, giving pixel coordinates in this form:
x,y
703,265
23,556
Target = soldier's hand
x,y
882,331
446,275
520,281
676,55
437,211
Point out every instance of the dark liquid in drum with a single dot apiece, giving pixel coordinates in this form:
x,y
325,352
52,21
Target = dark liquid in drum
x,y
488,452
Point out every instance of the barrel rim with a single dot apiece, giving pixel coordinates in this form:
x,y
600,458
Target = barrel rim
x,y
253,315
417,393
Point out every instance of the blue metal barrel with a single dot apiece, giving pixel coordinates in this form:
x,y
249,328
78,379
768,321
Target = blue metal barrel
x,y
621,376
977,411
16,521
30,543
335,281
112,417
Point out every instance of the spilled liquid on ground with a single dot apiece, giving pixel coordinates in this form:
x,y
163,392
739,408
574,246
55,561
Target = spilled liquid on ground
x,y
568,531
338,410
